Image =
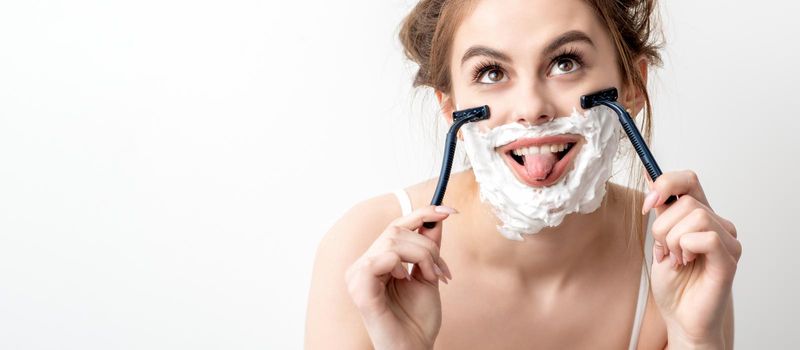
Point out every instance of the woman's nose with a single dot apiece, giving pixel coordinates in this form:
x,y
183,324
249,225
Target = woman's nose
x,y
533,108
533,119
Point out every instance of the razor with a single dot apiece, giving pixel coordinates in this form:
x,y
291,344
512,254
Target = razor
x,y
608,98
459,119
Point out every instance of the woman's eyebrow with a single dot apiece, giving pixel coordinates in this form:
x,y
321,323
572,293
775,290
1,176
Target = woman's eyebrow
x,y
561,40
566,38
479,50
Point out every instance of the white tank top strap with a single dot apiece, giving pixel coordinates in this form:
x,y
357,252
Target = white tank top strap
x,y
644,285
641,304
404,200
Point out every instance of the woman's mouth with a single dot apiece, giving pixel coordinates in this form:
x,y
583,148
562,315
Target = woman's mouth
x,y
541,161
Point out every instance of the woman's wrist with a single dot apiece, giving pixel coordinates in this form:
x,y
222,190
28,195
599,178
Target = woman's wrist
x,y
383,338
678,340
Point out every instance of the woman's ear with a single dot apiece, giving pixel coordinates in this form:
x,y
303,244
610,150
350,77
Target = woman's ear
x,y
446,106
634,98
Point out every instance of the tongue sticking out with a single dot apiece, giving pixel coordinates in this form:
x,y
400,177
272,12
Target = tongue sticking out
x,y
539,166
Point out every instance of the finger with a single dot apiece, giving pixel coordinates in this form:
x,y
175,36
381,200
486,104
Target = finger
x,y
675,212
366,280
445,268
698,220
423,240
380,265
414,253
699,196
400,272
430,213
731,246
431,238
710,245
659,251
677,183
728,225
669,217
420,272
701,222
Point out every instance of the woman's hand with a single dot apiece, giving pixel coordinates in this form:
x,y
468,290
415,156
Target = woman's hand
x,y
696,252
402,311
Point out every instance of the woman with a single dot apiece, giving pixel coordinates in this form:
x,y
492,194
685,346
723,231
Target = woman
x,y
561,276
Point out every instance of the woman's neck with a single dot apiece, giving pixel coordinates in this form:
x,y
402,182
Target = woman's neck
x,y
553,255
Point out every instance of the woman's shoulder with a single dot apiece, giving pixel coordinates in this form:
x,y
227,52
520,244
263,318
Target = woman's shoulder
x,y
361,224
457,192
380,210
364,221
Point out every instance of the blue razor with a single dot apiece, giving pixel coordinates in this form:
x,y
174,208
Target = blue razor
x,y
608,98
459,119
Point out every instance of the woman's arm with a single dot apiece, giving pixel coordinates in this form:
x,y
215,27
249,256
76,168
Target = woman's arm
x,y
332,320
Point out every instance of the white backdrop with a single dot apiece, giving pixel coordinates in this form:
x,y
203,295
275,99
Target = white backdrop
x,y
168,167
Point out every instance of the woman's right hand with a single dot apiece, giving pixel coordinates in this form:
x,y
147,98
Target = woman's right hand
x,y
402,311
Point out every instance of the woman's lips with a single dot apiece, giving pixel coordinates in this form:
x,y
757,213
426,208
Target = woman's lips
x,y
558,169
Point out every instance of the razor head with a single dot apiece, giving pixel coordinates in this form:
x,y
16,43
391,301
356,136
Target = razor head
x,y
471,114
593,99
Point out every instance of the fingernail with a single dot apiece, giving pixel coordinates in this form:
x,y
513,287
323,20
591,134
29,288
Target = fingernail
x,y
445,209
446,270
671,260
437,270
659,257
649,201
441,278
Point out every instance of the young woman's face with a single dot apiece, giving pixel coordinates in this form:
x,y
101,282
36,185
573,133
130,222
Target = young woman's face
x,y
530,60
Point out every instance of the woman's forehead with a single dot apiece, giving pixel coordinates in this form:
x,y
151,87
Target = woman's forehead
x,y
523,25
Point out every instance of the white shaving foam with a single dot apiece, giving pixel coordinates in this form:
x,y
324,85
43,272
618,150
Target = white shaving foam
x,y
524,209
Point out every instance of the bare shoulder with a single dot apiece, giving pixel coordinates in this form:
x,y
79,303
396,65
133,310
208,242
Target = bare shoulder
x,y
332,320
362,223
421,193
354,232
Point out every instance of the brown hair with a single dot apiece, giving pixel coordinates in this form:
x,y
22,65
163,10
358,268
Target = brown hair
x,y
428,30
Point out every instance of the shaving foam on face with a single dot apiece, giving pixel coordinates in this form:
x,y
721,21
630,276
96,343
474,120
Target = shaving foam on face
x,y
524,209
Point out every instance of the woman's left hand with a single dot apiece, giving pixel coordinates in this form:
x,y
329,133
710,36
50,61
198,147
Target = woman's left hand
x,y
696,253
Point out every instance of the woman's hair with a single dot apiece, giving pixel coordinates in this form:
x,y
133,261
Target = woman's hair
x,y
427,33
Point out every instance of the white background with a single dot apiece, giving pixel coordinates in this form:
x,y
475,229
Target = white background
x,y
168,167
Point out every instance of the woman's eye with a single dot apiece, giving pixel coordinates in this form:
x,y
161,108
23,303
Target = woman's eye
x,y
564,66
492,76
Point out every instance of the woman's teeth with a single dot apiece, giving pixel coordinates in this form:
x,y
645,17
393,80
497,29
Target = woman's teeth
x,y
551,148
